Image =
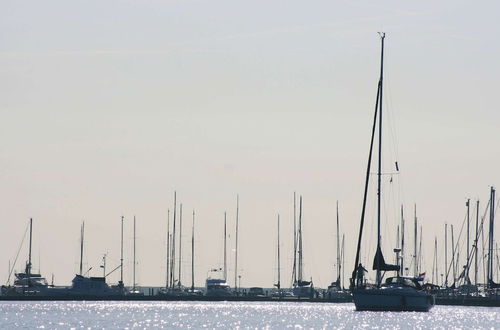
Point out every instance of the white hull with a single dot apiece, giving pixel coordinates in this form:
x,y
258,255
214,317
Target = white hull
x,y
392,299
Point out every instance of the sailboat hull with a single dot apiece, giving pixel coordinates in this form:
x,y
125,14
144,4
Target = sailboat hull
x,y
392,299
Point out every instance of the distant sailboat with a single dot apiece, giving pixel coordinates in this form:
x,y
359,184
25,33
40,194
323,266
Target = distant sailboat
x,y
27,282
215,285
301,287
335,290
397,293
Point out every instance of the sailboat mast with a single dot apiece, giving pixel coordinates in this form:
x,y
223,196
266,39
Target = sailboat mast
x,y
379,171
192,256
133,277
236,243
402,241
338,246
476,242
415,251
28,267
300,239
172,244
225,247
342,259
367,179
446,255
453,255
420,252
82,230
180,244
490,241
294,270
121,254
468,251
167,282
279,260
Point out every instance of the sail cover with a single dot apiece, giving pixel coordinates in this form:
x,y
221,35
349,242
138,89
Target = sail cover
x,y
379,262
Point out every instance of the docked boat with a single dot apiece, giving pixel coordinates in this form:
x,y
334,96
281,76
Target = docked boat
x,y
215,284
217,288
335,291
27,283
301,288
395,293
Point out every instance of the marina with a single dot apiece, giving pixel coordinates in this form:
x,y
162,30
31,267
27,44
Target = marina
x,y
402,292
249,165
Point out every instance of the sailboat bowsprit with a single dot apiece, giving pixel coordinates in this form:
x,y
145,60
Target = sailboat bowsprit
x,y
396,293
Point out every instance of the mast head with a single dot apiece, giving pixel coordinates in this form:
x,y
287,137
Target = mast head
x,y
382,35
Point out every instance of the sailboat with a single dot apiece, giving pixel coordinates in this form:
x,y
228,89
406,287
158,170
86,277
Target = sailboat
x,y
301,288
278,293
215,285
27,282
397,293
335,290
174,287
135,290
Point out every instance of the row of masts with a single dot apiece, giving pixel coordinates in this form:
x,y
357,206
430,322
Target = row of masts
x,y
452,268
174,250
454,273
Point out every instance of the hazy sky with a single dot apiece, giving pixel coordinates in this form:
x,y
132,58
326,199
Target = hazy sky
x,y
107,107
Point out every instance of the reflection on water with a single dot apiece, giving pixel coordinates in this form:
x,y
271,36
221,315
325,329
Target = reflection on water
x,y
198,315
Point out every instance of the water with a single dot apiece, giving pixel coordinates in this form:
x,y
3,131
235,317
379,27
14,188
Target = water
x,y
231,315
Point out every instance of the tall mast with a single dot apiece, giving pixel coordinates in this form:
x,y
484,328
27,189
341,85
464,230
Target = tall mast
x,y
236,243
476,242
294,270
420,252
367,176
28,266
342,259
379,171
402,241
225,247
192,256
446,255
300,240
415,264
468,220
168,250
134,259
338,246
180,244
172,244
82,230
278,285
453,256
396,257
490,241
121,255
434,261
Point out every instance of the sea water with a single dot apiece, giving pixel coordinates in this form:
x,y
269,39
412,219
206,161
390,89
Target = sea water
x,y
233,315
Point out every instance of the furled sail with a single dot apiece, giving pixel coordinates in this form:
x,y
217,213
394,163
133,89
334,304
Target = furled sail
x,y
379,262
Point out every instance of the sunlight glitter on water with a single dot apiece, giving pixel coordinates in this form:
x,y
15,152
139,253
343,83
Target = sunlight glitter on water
x,y
233,315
